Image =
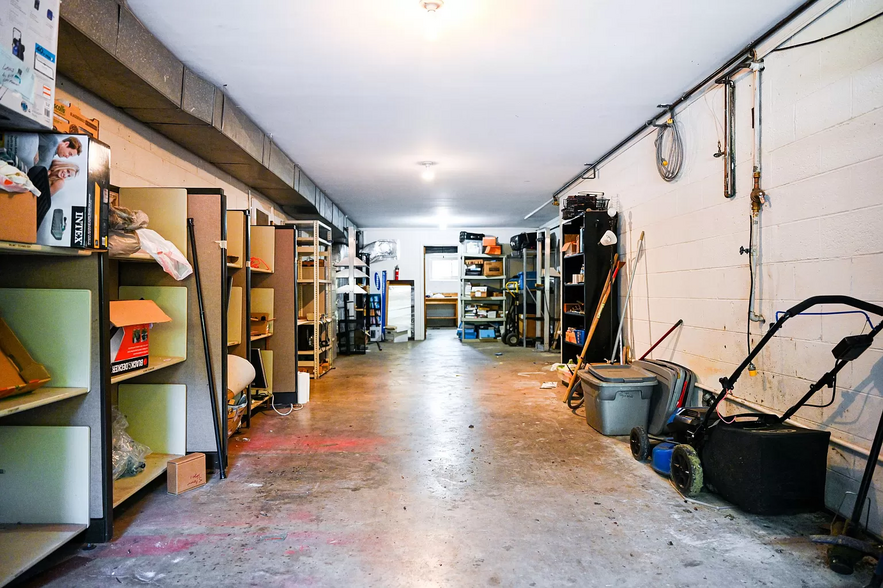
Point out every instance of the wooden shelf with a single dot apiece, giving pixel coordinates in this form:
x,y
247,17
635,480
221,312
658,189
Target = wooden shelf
x,y
139,256
310,240
483,320
310,351
22,546
124,488
258,270
258,403
311,281
259,337
35,249
39,397
573,256
481,256
233,265
472,278
156,362
233,343
494,299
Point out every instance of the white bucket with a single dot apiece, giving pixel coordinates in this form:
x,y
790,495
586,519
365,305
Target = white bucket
x,y
303,387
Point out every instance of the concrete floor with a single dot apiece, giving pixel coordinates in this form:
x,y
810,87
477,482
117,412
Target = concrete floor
x,y
441,464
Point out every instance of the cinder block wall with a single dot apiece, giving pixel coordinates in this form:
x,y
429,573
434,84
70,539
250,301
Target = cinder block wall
x,y
822,233
140,156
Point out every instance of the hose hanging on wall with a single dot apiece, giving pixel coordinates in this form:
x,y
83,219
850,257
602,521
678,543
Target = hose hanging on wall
x,y
669,149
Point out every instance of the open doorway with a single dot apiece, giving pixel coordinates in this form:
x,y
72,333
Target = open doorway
x,y
441,287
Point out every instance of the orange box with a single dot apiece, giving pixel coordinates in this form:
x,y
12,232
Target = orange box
x,y
19,373
489,241
18,217
67,118
186,473
493,250
130,324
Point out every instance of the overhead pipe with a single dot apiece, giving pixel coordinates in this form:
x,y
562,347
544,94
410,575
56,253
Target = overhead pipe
x,y
758,196
732,64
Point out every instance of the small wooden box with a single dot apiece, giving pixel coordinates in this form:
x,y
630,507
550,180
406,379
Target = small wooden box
x,y
186,473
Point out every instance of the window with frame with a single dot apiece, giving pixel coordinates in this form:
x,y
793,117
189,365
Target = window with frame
x,y
444,269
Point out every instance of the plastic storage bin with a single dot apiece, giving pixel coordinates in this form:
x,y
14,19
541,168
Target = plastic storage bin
x,y
617,397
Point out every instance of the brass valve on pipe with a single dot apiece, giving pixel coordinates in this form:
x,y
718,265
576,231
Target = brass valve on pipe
x,y
758,196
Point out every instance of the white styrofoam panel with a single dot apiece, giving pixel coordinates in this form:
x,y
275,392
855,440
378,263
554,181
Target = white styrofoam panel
x,y
55,326
45,475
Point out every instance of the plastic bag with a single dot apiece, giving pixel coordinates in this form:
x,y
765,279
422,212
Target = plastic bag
x,y
128,455
382,249
122,223
15,181
165,253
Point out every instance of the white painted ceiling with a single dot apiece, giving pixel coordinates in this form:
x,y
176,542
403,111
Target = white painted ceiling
x,y
510,99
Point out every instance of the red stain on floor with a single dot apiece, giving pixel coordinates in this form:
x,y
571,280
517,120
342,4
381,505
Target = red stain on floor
x,y
265,444
153,545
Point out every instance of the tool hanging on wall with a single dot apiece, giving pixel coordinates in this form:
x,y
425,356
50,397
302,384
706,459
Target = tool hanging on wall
x,y
605,294
222,454
617,345
661,339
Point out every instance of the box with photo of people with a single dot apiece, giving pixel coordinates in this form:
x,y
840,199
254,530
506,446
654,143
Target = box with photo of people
x,y
72,175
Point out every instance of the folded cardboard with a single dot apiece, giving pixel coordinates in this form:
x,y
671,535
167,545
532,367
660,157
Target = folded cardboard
x,y
493,268
307,270
72,173
129,333
185,473
29,62
19,372
493,250
18,217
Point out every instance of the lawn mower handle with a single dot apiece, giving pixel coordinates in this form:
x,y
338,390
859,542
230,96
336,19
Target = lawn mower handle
x,y
727,383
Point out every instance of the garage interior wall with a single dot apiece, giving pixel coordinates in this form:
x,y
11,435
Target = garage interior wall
x,y
410,261
822,233
142,157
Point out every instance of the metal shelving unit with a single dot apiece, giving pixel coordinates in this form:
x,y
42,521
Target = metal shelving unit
x,y
315,324
497,299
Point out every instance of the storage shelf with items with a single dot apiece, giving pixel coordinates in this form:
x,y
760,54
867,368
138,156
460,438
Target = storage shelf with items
x,y
168,405
260,317
274,351
351,273
585,264
52,437
315,305
238,309
483,305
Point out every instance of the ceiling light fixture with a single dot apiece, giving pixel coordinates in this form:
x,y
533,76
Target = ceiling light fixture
x,y
431,7
428,173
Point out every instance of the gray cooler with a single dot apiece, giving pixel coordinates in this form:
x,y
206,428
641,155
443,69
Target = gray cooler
x,y
617,397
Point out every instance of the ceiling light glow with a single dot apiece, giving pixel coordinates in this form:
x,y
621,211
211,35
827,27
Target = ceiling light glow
x,y
431,26
428,174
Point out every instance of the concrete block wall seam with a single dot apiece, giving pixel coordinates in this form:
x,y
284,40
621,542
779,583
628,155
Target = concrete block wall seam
x,y
823,168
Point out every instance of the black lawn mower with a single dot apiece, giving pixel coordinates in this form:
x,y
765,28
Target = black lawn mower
x,y
758,461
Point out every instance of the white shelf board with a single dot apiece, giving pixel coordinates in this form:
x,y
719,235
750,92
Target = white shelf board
x,y
124,488
494,299
473,278
39,397
35,249
481,256
22,546
156,362
482,320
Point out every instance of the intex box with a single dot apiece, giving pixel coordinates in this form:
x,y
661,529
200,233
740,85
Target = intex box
x,y
72,173
186,473
29,33
129,333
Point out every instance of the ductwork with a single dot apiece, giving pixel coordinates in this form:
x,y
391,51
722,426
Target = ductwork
x,y
104,48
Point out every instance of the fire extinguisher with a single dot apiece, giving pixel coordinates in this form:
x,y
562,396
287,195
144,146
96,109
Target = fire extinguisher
x,y
397,272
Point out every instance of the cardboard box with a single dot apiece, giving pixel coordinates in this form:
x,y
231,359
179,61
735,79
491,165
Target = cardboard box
x,y
531,325
489,241
307,270
493,268
129,333
72,173
29,29
493,250
186,473
67,118
18,217
260,324
19,372
571,244
479,293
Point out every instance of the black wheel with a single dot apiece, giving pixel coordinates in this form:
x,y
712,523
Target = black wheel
x,y
510,339
686,470
640,443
